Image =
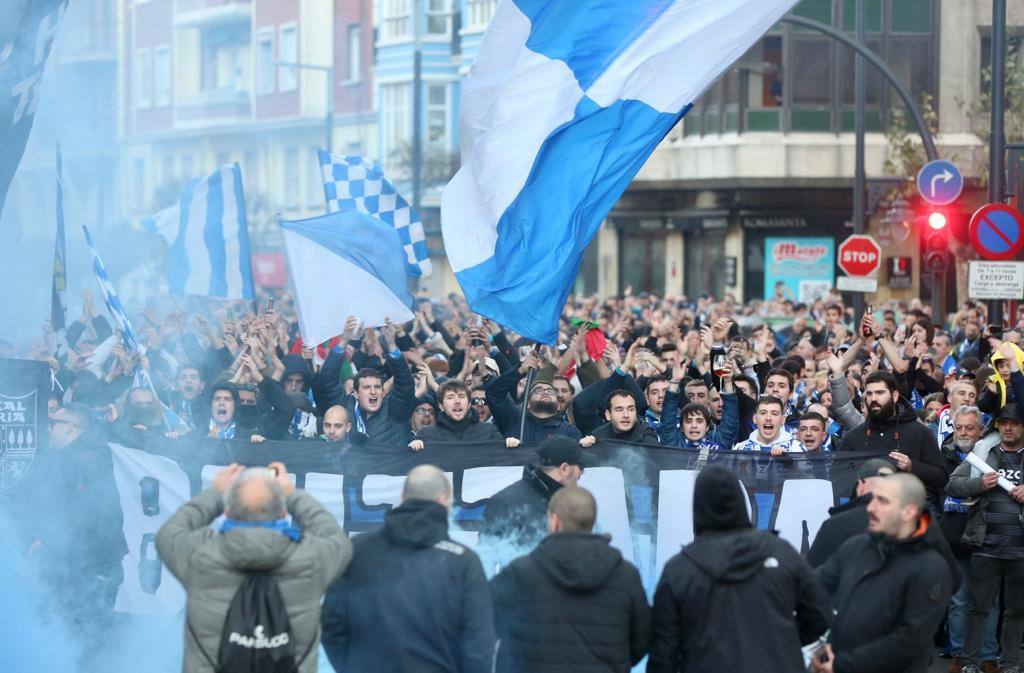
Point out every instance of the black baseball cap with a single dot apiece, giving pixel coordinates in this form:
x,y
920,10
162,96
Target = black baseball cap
x,y
557,450
874,468
1010,412
962,373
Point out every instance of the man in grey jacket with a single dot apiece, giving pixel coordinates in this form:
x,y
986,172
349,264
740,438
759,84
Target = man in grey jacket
x,y
256,537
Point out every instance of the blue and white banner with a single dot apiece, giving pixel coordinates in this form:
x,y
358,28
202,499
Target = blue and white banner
x,y
564,103
346,263
353,182
209,237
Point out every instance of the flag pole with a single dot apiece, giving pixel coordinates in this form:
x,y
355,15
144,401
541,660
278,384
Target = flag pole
x,y
526,402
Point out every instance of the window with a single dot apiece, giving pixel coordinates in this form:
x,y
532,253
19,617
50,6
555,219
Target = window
x,y
912,16
225,59
291,177
395,19
437,116
314,180
162,66
479,13
188,167
287,77
265,61
144,79
812,71
439,16
396,117
355,53
139,184
250,168
167,169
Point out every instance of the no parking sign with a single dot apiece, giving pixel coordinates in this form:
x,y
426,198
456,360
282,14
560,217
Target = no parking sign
x,y
997,231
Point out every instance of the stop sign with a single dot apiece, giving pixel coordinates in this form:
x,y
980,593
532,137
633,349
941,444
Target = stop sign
x,y
859,255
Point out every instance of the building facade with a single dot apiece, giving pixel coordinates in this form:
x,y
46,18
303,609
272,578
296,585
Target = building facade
x,y
205,82
768,154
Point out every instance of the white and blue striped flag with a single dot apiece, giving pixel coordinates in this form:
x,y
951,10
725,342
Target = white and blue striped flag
x,y
209,237
562,106
353,182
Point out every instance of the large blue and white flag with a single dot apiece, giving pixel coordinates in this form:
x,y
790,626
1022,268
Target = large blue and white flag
x,y
353,182
346,263
209,237
565,101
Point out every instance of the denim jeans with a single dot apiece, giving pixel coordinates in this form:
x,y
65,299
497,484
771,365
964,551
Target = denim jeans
x,y
985,576
958,615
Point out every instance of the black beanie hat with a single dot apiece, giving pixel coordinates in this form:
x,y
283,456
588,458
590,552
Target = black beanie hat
x,y
718,501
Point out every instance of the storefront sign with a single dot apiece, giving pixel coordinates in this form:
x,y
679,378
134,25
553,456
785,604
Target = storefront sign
x,y
804,265
996,280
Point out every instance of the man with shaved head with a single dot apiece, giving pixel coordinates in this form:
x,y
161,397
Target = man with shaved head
x,y
304,555
572,599
889,586
413,599
336,424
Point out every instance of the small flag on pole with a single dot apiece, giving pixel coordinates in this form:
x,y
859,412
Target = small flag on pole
x,y
141,378
354,182
209,237
110,298
58,310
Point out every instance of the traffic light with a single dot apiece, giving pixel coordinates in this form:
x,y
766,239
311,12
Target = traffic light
x,y
935,255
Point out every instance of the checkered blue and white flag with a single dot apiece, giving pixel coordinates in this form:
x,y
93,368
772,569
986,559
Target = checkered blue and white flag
x,y
114,305
353,182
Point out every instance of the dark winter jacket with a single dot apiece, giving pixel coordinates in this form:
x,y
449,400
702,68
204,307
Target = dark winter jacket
x,y
965,482
588,406
411,600
902,432
955,512
507,414
572,604
727,603
390,424
725,433
518,513
890,596
469,429
641,433
851,518
737,599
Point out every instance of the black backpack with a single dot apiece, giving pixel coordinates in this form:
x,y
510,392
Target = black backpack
x,y
257,635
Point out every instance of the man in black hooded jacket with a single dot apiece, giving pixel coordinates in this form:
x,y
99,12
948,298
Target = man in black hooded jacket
x,y
727,602
624,425
891,427
572,599
516,516
888,585
412,599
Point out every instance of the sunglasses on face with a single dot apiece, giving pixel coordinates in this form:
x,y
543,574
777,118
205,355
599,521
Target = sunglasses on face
x,y
478,401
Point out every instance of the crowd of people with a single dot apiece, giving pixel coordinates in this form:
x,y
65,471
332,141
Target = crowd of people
x,y
776,377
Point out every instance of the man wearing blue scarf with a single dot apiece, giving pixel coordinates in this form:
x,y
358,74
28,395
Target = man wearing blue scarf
x,y
269,527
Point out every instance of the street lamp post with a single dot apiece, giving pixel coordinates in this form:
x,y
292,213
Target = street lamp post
x,y
997,139
329,117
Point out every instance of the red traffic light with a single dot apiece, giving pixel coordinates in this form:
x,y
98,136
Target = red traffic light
x,y
937,221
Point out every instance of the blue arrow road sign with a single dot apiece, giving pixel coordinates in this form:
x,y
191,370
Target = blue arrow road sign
x,y
939,182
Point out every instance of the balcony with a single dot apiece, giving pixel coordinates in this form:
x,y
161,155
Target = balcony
x,y
215,107
206,13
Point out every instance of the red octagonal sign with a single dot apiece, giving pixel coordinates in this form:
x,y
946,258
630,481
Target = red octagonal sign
x,y
859,255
